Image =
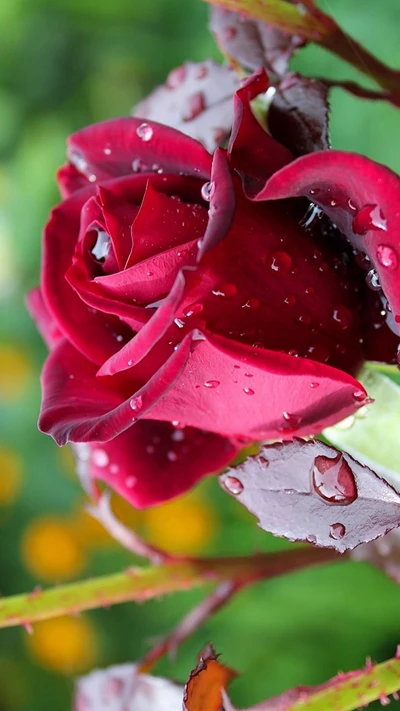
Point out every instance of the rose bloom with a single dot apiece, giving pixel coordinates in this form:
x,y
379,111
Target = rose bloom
x,y
192,304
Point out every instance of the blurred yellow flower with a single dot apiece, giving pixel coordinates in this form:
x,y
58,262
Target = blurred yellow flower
x,y
65,644
15,372
51,551
10,475
185,525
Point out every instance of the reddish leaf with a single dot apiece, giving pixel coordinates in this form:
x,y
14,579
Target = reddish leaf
x,y
197,100
121,687
383,553
203,691
308,491
298,116
253,43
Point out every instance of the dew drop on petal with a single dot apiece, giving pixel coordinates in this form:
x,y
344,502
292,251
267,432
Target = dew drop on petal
x,y
314,385
211,383
248,391
290,300
351,205
359,395
193,310
319,353
144,132
337,531
292,421
251,304
342,317
100,458
279,262
227,291
172,456
370,217
130,482
333,480
233,485
207,191
372,280
136,403
387,256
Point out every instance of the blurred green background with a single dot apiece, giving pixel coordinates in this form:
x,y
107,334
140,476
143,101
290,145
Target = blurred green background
x,y
63,64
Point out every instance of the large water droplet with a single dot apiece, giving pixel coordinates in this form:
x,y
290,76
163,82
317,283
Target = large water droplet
x,y
207,191
196,104
226,290
211,383
292,421
102,247
333,480
279,262
337,531
372,280
136,403
387,256
144,132
233,485
370,217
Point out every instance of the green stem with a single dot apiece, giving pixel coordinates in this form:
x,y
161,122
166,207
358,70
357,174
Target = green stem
x,y
308,21
149,582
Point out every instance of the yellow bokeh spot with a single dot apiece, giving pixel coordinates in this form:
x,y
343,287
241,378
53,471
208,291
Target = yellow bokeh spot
x,y
10,475
88,531
15,372
51,551
66,645
185,525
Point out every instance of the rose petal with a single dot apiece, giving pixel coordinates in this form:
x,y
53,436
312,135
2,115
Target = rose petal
x,y
360,196
79,407
154,461
70,180
283,395
252,151
42,317
108,149
222,203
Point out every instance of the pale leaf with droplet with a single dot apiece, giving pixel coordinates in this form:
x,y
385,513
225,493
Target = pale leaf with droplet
x,y
309,491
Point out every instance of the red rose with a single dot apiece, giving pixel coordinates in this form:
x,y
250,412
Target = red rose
x,y
189,309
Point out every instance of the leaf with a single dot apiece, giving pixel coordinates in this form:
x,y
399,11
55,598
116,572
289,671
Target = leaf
x,y
203,691
253,43
122,687
197,100
308,491
298,115
345,692
372,435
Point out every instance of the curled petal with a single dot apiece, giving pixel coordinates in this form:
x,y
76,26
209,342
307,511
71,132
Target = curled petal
x,y
222,203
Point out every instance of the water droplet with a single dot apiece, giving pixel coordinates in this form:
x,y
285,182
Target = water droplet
x,y
313,213
351,205
290,300
359,395
314,191
196,104
100,458
251,304
293,353
342,317
319,353
114,468
130,363
144,132
279,262
372,280
333,480
207,191
107,151
248,375
102,246
334,203
370,217
178,435
387,256
138,166
193,310
130,482
172,456
226,290
136,403
211,383
233,485
176,77
248,391
179,322
314,385
305,318
292,421
337,531
289,491
312,539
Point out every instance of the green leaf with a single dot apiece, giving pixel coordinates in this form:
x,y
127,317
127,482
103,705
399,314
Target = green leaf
x,y
371,436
